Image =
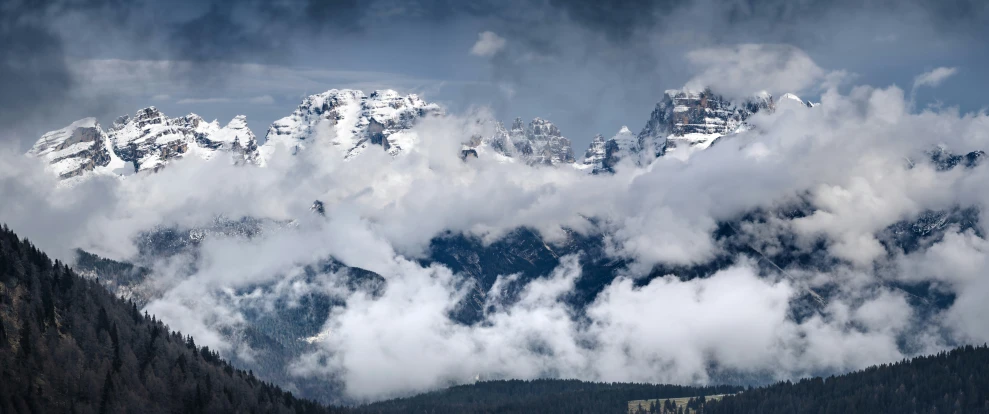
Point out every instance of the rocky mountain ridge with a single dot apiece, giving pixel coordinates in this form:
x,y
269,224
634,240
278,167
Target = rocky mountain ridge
x,y
350,121
539,142
145,142
683,121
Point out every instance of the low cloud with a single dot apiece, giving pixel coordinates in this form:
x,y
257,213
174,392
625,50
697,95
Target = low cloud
x,y
745,70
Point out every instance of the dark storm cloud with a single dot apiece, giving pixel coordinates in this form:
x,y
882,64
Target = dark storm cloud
x,y
216,35
619,19
34,75
41,39
335,15
32,69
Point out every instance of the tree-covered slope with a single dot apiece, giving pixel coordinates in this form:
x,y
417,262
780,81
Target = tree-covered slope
x,y
68,345
955,381
538,396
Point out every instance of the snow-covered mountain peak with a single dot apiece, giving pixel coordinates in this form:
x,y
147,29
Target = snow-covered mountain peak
x,y
75,150
789,97
545,144
151,139
350,121
392,95
238,122
59,139
543,129
690,119
538,143
143,142
518,125
602,155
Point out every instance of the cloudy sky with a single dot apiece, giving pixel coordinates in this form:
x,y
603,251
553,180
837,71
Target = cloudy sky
x,y
894,80
589,66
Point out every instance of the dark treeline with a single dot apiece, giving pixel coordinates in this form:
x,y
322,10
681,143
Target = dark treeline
x,y
538,396
67,345
954,381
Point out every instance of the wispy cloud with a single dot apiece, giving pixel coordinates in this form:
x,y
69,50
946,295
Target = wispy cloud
x,y
488,44
261,100
189,101
256,100
166,77
934,77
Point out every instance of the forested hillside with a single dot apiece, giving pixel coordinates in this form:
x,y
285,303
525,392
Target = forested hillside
x,y
68,345
538,396
955,381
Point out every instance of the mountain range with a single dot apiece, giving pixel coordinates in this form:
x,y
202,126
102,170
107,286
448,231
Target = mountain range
x,y
351,122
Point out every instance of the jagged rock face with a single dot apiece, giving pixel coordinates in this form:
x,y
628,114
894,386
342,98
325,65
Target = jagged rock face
x,y
501,142
603,155
944,160
236,138
150,139
468,153
683,119
519,140
74,150
318,208
596,152
539,143
548,144
145,142
686,118
351,121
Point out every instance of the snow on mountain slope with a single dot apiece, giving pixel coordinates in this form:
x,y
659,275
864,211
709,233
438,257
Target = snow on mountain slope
x,y
351,121
546,144
596,153
685,119
76,149
602,155
145,142
150,139
683,122
538,143
789,97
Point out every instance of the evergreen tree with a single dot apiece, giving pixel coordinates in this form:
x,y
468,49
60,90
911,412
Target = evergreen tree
x,y
25,339
105,397
115,341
